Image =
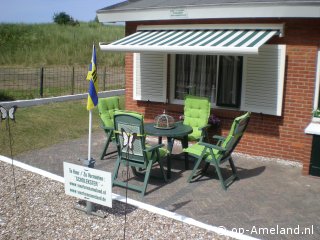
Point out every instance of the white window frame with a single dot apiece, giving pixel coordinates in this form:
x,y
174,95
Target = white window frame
x,y
181,102
277,110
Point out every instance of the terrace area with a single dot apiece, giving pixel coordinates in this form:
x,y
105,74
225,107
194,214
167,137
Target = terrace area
x,y
270,194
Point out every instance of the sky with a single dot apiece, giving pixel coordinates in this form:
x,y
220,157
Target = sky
x,y
42,11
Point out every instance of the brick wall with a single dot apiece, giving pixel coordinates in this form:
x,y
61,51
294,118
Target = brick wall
x,y
278,137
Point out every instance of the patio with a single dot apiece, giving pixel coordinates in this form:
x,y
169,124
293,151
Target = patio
x,y
270,194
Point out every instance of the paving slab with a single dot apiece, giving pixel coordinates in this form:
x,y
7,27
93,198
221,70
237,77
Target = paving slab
x,y
272,200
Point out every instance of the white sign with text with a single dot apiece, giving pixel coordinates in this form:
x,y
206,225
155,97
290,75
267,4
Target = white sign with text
x,y
178,13
88,184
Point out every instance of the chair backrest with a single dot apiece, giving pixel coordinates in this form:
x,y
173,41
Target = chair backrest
x,y
238,127
130,137
107,107
196,112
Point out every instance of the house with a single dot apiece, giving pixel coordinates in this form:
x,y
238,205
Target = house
x,y
258,56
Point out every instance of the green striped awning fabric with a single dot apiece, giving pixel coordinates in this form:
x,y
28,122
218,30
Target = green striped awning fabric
x,y
193,41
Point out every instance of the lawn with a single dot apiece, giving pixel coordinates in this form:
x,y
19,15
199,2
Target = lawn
x,y
41,126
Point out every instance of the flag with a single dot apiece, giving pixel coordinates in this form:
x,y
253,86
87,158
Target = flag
x,y
93,82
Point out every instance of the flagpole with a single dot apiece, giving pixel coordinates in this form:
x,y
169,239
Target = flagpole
x,y
89,206
89,139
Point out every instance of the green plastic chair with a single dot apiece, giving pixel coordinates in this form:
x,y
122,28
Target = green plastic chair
x,y
107,108
133,151
218,154
196,115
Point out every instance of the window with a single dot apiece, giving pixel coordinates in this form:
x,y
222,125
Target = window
x,y
216,77
230,78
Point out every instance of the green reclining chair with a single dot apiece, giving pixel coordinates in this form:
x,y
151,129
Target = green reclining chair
x,y
221,152
107,107
133,151
196,115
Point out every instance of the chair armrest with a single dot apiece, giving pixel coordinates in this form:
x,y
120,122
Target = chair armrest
x,y
107,128
220,138
152,148
204,127
208,145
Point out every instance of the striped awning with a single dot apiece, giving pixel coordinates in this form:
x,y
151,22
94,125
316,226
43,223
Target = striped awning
x,y
210,41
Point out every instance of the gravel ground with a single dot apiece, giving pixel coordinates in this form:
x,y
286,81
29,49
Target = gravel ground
x,y
43,211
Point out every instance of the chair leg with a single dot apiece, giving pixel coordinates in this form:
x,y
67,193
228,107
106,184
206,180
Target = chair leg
x,y
227,182
146,178
218,170
205,167
195,168
115,170
184,143
233,168
162,170
106,145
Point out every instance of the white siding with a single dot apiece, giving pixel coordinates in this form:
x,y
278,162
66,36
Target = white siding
x,y
263,80
150,77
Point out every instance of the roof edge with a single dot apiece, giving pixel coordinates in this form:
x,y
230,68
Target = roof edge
x,y
213,12
112,8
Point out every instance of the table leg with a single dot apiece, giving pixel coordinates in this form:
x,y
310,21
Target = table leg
x,y
160,140
170,146
186,158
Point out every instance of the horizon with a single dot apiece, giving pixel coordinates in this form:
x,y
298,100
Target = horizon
x,y
42,11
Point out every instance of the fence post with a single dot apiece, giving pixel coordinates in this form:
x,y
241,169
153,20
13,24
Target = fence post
x,y
72,81
41,81
104,78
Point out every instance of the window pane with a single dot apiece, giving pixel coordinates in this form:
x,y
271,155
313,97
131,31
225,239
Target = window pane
x,y
196,75
230,77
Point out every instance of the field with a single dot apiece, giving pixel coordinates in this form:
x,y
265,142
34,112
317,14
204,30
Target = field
x,y
45,60
52,44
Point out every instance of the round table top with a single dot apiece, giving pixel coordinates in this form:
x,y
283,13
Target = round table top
x,y
179,130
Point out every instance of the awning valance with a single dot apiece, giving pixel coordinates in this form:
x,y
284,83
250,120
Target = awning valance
x,y
201,41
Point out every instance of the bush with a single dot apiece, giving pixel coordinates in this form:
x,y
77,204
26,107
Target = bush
x,y
64,19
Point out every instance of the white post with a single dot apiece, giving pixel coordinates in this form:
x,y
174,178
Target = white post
x,y
89,140
89,206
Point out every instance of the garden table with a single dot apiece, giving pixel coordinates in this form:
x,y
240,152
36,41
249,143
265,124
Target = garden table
x,y
178,131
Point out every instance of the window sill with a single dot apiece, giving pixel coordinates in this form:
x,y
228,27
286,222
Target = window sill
x,y
313,127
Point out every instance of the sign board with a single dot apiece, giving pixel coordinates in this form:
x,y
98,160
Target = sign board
x,y
178,13
88,184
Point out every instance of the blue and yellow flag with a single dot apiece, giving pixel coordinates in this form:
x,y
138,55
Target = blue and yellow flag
x,y
93,82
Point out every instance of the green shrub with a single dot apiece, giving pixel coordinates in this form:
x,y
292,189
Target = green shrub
x,y
64,19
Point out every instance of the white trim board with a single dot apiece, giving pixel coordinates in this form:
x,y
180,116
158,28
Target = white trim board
x,y
141,205
226,11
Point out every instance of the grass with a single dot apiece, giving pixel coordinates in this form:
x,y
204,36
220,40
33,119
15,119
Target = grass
x,y
52,44
42,126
